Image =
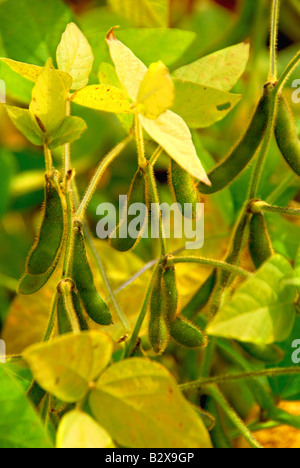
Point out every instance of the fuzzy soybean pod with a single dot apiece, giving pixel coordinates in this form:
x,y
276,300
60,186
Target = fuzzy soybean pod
x,y
242,154
69,308
187,333
159,335
82,275
171,292
260,244
121,239
286,135
184,190
50,237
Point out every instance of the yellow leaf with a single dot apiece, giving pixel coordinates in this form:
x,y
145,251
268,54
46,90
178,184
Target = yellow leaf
x,y
31,72
78,430
138,402
130,70
157,92
171,132
65,366
75,56
104,98
49,97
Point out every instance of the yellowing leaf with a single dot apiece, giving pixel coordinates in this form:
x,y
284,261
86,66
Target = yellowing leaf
x,y
75,56
130,70
156,93
139,403
78,430
262,310
65,366
201,106
153,13
104,98
49,97
171,132
220,70
24,122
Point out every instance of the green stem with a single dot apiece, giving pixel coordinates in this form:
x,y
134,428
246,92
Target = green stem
x,y
215,393
48,160
140,143
214,264
98,174
154,197
289,69
155,156
273,40
259,206
9,283
51,322
196,384
134,337
280,189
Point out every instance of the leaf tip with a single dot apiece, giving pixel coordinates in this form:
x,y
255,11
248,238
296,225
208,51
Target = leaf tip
x,y
111,34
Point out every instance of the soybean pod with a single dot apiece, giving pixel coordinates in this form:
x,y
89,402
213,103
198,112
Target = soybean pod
x,y
82,275
239,158
187,334
260,244
124,237
184,190
48,245
170,292
286,135
69,308
158,330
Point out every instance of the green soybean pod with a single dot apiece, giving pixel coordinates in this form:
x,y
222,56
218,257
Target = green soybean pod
x,y
158,330
184,190
121,239
270,354
30,284
187,334
171,293
286,135
63,304
260,244
82,275
241,155
49,241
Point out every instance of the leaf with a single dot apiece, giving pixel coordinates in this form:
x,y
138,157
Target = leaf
x,y
139,404
23,120
152,13
71,129
75,56
20,426
220,70
171,132
78,430
103,97
262,310
65,366
156,93
7,171
31,72
48,104
202,106
147,43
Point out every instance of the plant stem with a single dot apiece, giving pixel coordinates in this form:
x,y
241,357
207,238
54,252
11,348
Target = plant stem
x,y
9,283
214,264
67,147
140,142
48,160
98,174
134,337
280,189
215,393
196,384
273,40
289,69
259,206
51,322
154,197
155,156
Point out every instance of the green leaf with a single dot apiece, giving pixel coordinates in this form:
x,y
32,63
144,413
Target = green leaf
x,y
31,30
139,404
156,93
23,120
65,366
75,56
104,98
78,430
262,310
219,70
71,129
150,45
200,105
7,171
20,426
149,13
48,104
